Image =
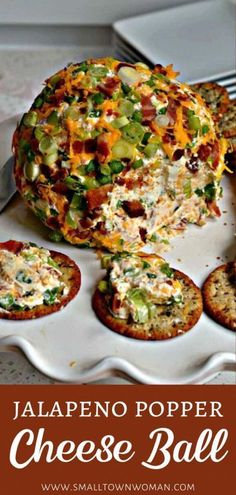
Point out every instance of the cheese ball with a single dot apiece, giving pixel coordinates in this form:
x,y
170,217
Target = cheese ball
x,y
118,156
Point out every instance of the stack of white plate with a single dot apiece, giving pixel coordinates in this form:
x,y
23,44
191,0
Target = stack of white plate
x,y
199,38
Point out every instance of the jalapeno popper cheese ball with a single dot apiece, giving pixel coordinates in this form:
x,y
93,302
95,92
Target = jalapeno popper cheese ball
x,y
118,155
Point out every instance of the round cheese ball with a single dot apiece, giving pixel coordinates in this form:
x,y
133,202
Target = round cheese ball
x,y
116,155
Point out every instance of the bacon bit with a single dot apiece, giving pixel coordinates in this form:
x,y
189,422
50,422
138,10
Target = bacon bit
x,y
148,110
103,149
204,152
82,234
13,246
86,223
101,228
172,110
34,144
109,86
53,222
60,188
78,146
213,208
143,233
96,197
178,154
59,174
133,208
90,145
169,138
215,155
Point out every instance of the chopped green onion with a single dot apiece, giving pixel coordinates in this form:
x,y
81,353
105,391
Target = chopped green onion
x,y
53,118
90,167
39,132
30,119
151,149
72,219
50,158
104,179
91,183
120,122
55,236
7,301
133,132
125,88
47,145
188,189
163,111
122,149
38,102
126,107
151,275
49,296
98,71
137,116
165,268
31,171
72,113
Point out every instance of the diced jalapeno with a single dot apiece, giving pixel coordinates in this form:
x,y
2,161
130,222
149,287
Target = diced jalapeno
x,y
104,179
137,116
116,166
78,202
146,137
38,102
205,129
53,118
137,163
194,123
126,107
122,149
105,169
55,236
120,122
94,113
151,149
31,171
103,286
47,145
98,98
30,119
137,298
98,71
90,167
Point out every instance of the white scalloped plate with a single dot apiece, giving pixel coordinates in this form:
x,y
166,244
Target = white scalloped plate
x,y
73,346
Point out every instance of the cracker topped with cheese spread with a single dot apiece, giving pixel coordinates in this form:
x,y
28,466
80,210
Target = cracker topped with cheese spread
x,y
34,281
116,155
144,298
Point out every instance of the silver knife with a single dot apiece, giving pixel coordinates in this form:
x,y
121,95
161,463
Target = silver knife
x,y
7,183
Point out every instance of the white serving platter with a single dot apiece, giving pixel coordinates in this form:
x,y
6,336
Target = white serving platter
x,y
73,346
198,31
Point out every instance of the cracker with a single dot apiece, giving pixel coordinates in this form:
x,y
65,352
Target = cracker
x,y
219,295
215,96
70,276
170,320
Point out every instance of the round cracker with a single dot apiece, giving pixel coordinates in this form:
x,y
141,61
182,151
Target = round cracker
x,y
219,295
71,276
166,324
